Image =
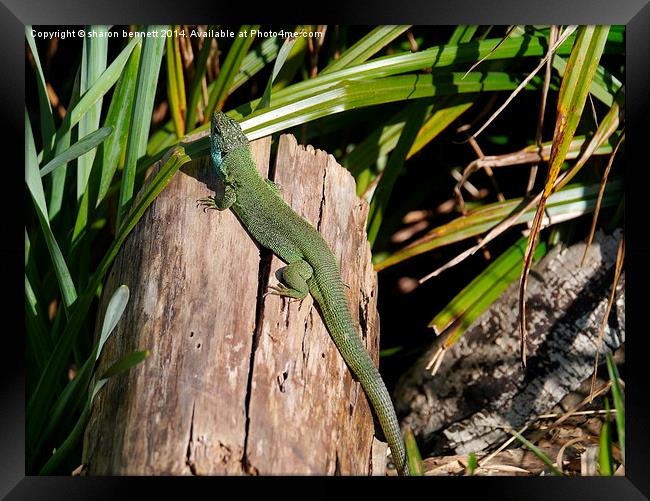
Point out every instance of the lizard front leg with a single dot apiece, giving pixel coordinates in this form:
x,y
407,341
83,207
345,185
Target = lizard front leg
x,y
217,202
294,276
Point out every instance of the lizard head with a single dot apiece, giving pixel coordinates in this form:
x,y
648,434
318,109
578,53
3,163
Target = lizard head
x,y
225,136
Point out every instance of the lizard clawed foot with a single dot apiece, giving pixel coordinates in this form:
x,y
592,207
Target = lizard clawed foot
x,y
282,291
207,203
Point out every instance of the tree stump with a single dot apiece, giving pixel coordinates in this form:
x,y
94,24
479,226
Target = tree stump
x,y
236,383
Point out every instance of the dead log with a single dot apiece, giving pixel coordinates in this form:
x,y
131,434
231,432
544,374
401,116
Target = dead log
x,y
480,387
236,383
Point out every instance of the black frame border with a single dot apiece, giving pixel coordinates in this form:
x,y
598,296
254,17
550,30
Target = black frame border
x,y
635,14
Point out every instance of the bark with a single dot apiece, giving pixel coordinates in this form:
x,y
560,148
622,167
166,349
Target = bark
x,y
481,388
236,383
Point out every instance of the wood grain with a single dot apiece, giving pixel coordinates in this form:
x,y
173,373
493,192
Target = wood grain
x,y
235,383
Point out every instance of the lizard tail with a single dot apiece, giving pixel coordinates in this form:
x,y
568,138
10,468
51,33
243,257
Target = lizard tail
x,y
336,314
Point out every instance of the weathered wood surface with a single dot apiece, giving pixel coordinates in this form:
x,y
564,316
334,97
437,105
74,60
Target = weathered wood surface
x,y
480,386
235,383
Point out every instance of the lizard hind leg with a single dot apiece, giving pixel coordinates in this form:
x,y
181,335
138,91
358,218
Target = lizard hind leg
x,y
294,281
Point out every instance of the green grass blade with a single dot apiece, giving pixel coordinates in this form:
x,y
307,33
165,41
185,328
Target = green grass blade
x,y
175,84
413,456
32,175
362,160
196,83
119,117
576,83
482,291
73,393
367,47
93,63
58,177
45,108
145,92
580,70
277,66
54,463
433,58
603,86
101,86
472,464
82,146
354,94
39,342
605,457
33,181
379,202
619,402
571,202
463,34
538,452
256,60
114,312
295,60
40,400
230,68
601,141
125,363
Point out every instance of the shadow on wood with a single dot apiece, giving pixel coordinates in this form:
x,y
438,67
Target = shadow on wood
x,y
235,383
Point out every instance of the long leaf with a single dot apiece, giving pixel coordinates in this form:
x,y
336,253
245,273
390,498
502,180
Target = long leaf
x,y
433,58
72,395
416,466
230,68
82,146
605,458
33,181
125,363
197,81
395,164
148,71
362,160
368,46
175,84
101,86
481,292
463,34
119,117
603,86
93,64
538,452
38,339
39,402
277,66
571,202
61,453
349,95
44,106
58,177
579,74
619,402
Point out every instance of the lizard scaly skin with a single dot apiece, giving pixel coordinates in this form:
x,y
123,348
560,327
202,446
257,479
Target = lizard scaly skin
x,y
311,266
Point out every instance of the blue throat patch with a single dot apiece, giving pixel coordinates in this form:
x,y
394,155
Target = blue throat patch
x,y
217,157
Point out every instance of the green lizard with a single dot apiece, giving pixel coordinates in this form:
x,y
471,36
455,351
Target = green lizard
x,y
311,266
